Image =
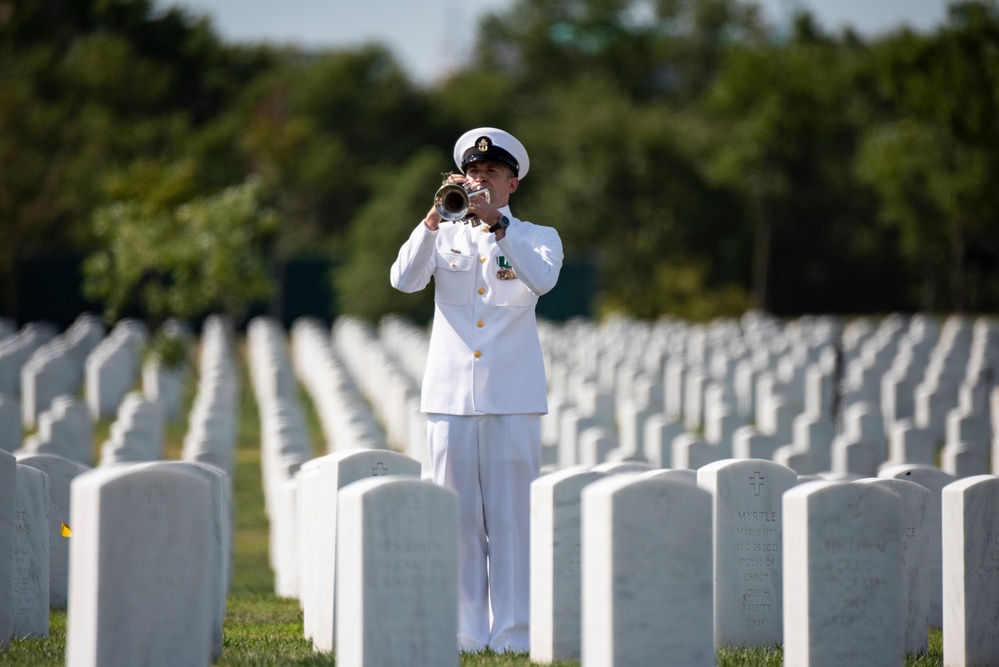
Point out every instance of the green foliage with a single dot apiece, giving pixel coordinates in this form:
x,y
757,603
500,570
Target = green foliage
x,y
703,160
933,161
623,180
362,281
88,87
182,260
169,351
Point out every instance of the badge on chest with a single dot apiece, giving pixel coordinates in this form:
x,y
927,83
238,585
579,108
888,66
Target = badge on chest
x,y
505,271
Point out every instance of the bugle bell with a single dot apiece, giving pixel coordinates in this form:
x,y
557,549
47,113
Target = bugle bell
x,y
452,199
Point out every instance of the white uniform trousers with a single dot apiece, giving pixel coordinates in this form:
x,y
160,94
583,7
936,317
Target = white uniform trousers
x,y
490,461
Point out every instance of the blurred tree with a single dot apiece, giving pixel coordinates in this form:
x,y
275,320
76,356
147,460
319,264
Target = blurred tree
x,y
321,126
174,257
934,159
381,227
788,116
617,183
88,87
667,49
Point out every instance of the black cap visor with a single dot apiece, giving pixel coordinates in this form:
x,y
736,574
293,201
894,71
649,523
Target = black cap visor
x,y
493,154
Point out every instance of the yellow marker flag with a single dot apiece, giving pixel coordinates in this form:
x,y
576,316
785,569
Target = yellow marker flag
x,y
65,532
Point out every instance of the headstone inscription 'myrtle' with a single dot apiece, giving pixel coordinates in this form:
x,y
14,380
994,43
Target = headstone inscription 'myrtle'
x,y
747,549
139,564
397,573
646,559
842,580
970,510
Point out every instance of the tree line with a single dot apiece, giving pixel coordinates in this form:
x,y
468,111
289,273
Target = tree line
x,y
698,160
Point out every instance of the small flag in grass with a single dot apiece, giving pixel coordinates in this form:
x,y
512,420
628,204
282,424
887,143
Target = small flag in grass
x,y
65,531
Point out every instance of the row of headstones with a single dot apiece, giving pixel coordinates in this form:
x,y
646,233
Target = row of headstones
x,y
302,502
40,562
142,553
44,373
635,394
346,420
660,566
16,349
385,381
679,395
836,572
57,367
213,421
284,438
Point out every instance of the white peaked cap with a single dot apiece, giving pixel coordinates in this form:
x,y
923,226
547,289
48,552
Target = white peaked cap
x,y
495,145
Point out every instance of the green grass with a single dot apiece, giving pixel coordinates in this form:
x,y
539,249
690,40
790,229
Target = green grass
x,y
262,629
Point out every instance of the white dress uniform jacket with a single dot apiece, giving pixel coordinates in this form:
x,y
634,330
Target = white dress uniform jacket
x,y
485,355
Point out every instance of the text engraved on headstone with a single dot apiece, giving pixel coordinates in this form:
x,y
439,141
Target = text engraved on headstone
x,y
855,569
758,553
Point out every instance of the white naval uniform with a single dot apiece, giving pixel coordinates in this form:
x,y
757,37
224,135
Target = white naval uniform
x,y
484,391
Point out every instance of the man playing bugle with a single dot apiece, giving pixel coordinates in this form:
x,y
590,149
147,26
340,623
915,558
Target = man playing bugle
x,y
484,387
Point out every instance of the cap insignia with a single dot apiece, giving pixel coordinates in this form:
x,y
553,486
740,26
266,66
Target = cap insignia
x,y
483,144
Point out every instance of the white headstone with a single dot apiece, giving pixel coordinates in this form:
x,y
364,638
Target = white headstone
x,y
140,561
970,509
11,429
221,531
8,496
64,430
555,564
690,451
935,480
747,523
748,443
658,437
397,569
30,578
308,526
595,443
647,583
915,558
336,471
842,551
908,444
60,473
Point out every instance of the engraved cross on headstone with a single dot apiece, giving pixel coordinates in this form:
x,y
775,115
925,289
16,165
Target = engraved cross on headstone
x,y
757,481
379,470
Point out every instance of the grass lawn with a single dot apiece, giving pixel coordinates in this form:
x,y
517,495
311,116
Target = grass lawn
x,y
264,630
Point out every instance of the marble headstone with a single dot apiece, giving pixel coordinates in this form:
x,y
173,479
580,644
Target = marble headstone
x,y
647,581
935,480
555,563
397,572
60,473
842,556
747,523
140,566
30,591
337,471
8,496
970,509
915,558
